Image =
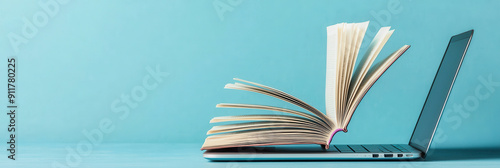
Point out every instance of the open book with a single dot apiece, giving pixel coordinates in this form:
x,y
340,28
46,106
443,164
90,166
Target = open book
x,y
346,85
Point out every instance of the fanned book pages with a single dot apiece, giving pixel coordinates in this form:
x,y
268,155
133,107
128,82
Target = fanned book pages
x,y
346,85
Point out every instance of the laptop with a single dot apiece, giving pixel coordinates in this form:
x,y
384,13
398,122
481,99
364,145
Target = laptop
x,y
415,149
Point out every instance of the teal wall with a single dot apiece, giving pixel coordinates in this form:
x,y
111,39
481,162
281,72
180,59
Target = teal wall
x,y
76,71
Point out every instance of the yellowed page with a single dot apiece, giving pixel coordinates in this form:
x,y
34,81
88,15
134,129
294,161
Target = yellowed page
x,y
371,77
357,34
271,108
263,125
373,50
339,68
264,137
266,90
346,44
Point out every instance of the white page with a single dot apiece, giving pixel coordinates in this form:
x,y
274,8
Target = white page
x,y
331,71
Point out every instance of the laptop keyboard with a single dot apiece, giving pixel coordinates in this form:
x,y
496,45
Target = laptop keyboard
x,y
371,149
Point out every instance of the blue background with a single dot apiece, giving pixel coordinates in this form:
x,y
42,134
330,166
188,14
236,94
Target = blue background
x,y
92,52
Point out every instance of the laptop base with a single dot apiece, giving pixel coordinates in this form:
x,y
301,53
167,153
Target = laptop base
x,y
314,152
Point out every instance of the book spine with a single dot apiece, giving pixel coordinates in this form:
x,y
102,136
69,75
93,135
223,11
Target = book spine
x,y
331,136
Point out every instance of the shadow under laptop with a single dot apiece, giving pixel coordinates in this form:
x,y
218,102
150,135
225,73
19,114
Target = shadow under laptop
x,y
463,154
450,154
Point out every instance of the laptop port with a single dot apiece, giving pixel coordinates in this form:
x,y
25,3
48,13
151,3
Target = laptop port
x,y
400,155
388,155
375,155
409,155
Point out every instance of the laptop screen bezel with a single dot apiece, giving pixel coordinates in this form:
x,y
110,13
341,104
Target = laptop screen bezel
x,y
461,36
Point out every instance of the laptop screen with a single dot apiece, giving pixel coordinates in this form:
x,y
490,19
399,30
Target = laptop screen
x,y
440,88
